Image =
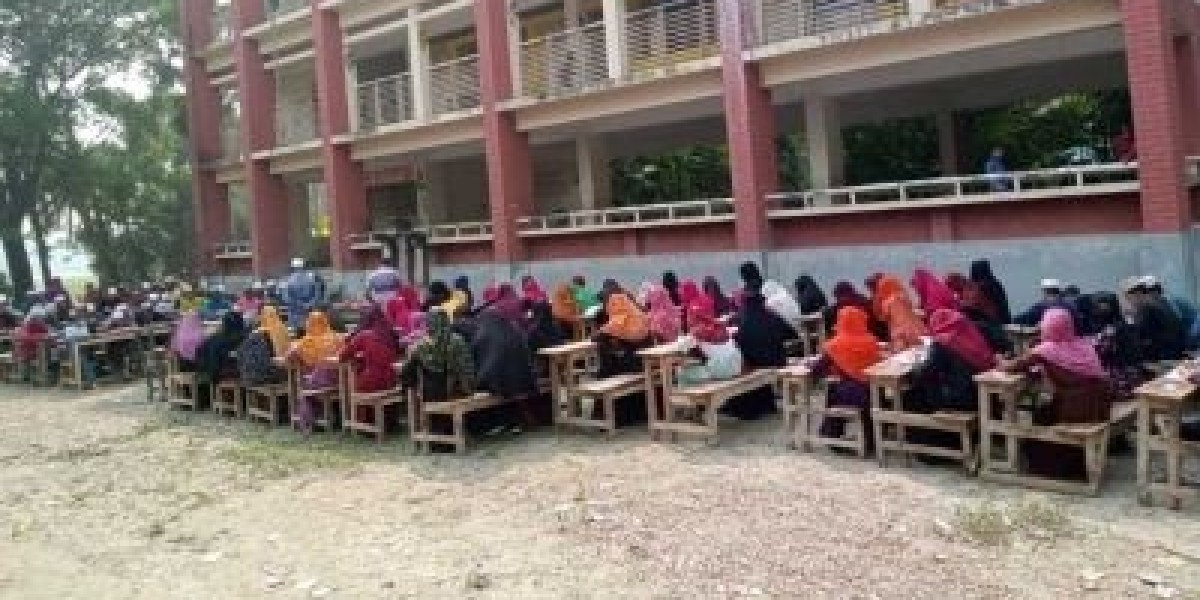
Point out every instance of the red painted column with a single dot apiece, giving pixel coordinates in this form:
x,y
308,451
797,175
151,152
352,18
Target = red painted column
x,y
345,183
509,166
1188,66
211,212
268,199
749,130
1154,89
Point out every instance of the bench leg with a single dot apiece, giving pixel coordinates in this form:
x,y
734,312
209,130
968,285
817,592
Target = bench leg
x,y
460,433
610,416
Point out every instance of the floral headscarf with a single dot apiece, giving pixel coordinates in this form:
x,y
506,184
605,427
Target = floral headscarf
x,y
320,341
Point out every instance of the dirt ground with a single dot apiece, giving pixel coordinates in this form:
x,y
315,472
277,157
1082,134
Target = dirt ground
x,y
103,495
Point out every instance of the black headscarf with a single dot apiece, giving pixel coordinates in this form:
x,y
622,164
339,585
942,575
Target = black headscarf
x,y
989,286
809,295
462,284
438,294
671,283
544,331
761,334
721,304
215,353
751,276
503,360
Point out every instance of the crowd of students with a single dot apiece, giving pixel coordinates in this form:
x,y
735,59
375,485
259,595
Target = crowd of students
x,y
1092,348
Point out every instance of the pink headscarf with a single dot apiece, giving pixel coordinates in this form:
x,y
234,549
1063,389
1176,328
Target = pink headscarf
x,y
960,336
1060,346
689,293
531,291
509,306
932,292
398,312
189,334
664,321
411,296
491,293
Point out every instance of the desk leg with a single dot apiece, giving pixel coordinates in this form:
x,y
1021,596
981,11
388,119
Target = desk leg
x,y
651,396
1174,457
77,367
1011,448
1143,453
876,407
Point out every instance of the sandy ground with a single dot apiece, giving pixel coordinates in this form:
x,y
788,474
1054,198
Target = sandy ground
x,y
105,496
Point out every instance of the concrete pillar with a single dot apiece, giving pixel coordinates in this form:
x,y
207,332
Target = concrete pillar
x,y
418,69
595,176
211,214
268,197
947,142
823,134
750,132
614,35
1154,89
345,183
509,166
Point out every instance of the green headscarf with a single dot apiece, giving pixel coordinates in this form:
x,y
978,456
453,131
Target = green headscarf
x,y
445,352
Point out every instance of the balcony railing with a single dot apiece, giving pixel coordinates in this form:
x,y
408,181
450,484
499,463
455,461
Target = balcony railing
x,y
231,142
385,101
233,250
790,19
564,63
696,211
660,37
454,85
295,124
222,23
461,232
1104,178
277,8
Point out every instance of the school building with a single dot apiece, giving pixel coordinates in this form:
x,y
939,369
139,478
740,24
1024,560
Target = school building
x,y
317,126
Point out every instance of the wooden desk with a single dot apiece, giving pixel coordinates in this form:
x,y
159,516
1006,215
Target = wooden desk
x,y
1003,389
889,380
812,333
565,373
1160,406
98,342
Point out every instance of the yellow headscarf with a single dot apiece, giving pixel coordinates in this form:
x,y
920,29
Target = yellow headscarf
x,y
269,322
455,305
625,320
320,341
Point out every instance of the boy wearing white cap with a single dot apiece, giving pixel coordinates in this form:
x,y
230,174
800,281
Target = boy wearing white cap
x,y
1052,297
1160,331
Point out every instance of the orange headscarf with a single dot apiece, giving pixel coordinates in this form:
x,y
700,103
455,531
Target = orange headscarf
x,y
905,328
852,348
886,287
562,305
320,341
625,320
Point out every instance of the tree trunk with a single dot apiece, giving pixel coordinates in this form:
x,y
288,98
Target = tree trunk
x,y
18,263
43,250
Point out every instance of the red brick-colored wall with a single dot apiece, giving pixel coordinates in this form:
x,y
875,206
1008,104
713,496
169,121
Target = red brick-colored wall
x,y
471,253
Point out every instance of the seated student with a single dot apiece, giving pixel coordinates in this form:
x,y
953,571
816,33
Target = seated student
x,y
722,305
372,351
439,366
625,331
585,299
670,282
532,292
664,320
188,301
710,342
186,340
74,329
256,360
1080,306
808,293
214,357
845,296
215,304
438,296
1117,344
975,306
313,353
895,310
844,358
504,362
761,338
544,331
462,285
1082,392
9,319
932,293
945,379
1182,308
1159,330
565,311
1052,297
270,321
250,302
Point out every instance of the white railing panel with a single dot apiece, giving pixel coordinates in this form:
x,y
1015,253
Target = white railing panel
x,y
222,23
233,248
791,19
277,8
385,101
454,84
564,63
646,215
295,124
661,37
231,141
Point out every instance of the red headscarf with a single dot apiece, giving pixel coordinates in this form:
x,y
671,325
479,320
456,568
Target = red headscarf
x,y
932,293
689,293
491,293
1059,345
959,335
852,348
399,312
531,291
703,324
883,288
664,320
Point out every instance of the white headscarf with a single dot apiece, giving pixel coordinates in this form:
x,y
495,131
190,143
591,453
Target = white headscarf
x,y
780,301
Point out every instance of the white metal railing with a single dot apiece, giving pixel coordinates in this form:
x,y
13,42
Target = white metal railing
x,y
660,37
277,8
295,124
231,141
445,232
454,84
631,216
385,101
222,23
233,249
969,187
564,63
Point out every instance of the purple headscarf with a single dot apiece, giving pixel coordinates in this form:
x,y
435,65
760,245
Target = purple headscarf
x,y
189,334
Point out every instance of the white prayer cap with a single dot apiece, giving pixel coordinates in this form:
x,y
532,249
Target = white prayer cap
x,y
1051,284
1150,281
257,285
297,263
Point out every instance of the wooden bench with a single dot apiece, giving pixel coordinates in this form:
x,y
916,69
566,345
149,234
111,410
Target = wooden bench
x,y
1160,408
377,402
704,400
812,333
580,411
889,380
227,398
270,403
183,389
1006,390
421,413
805,405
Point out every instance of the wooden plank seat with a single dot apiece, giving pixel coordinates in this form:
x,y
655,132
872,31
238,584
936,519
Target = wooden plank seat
x,y
421,413
183,388
376,403
326,401
1004,390
891,421
227,398
704,401
268,403
580,409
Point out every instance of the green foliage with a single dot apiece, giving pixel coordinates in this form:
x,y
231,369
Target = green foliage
x,y
895,150
692,173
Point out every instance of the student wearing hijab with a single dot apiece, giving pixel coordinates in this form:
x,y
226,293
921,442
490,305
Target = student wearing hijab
x,y
372,351
438,296
974,306
625,331
463,285
399,311
845,357
720,302
689,293
993,298
752,277
313,353
1117,344
585,298
531,291
214,357
565,311
440,362
186,340
761,337
670,282
932,293
270,322
709,341
256,360
895,310
504,361
664,319
1082,392
945,380
809,295
845,296
28,341
511,307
